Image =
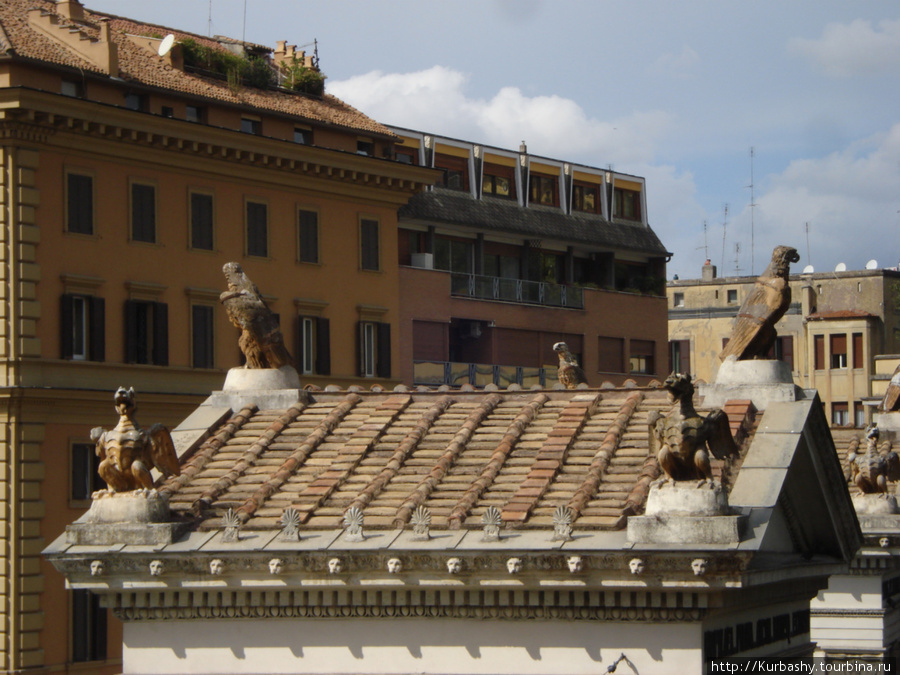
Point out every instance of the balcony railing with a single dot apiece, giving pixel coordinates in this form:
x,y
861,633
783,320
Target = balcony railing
x,y
516,290
436,373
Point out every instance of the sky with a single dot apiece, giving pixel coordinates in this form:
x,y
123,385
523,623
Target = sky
x,y
677,92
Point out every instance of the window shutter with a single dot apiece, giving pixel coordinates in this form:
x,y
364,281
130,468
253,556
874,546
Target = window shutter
x,y
360,350
160,334
66,348
131,310
97,337
383,367
684,348
787,350
858,350
323,347
819,343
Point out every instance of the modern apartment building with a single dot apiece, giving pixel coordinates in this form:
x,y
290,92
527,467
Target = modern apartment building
x,y
511,253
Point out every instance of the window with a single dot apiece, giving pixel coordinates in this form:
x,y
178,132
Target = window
x,y
642,356
193,113
374,349
303,136
83,327
79,203
135,101
819,352
453,255
498,180
314,345
201,221
88,627
611,353
146,332
365,147
368,238
859,415
456,171
251,125
858,358
308,236
202,340
406,155
783,350
585,198
168,111
680,356
840,415
732,296
544,190
627,204
257,219
838,351
85,479
678,299
143,212
72,88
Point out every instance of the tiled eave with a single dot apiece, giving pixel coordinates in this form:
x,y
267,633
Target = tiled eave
x,y
57,119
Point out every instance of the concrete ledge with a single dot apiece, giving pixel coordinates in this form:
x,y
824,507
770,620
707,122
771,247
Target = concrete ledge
x,y
108,534
685,529
761,381
267,388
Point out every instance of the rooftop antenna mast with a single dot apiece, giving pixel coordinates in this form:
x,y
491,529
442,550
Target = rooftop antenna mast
x,y
209,21
244,28
724,233
737,259
705,246
808,256
752,207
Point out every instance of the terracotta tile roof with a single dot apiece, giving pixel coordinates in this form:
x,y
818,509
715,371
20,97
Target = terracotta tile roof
x,y
456,453
136,64
840,314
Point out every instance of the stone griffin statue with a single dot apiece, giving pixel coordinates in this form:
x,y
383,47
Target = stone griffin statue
x,y
570,373
128,453
872,471
680,438
261,340
754,332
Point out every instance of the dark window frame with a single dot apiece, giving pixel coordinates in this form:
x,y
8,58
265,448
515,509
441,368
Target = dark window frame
x,y
303,136
199,228
369,244
374,349
80,199
142,211
256,231
308,232
251,125
642,357
88,626
203,337
579,189
93,327
455,169
314,357
84,479
146,332
627,204
543,189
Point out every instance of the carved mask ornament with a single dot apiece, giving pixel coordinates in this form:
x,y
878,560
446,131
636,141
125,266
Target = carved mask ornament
x,y
157,568
514,565
97,568
275,566
575,563
454,565
699,566
335,566
395,566
216,566
636,565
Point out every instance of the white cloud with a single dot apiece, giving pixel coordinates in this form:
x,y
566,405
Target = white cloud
x,y
435,100
849,198
676,65
857,48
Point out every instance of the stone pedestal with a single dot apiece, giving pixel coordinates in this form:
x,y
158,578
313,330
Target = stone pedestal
x,y
888,425
685,513
875,504
761,381
268,388
137,517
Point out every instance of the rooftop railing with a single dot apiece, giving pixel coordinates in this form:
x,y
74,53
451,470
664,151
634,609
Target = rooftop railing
x,y
516,290
437,373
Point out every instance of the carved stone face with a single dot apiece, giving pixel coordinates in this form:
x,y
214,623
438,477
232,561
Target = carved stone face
x,y
395,566
514,565
335,566
699,566
157,568
275,566
636,565
575,563
97,568
884,542
454,565
216,566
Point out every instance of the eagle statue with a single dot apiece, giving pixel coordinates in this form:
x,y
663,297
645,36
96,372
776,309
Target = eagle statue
x,y
680,438
570,373
870,472
754,332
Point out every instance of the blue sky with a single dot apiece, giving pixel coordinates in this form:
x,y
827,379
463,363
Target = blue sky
x,y
675,91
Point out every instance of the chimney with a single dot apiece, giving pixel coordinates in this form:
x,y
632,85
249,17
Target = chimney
x,y
709,271
71,9
807,299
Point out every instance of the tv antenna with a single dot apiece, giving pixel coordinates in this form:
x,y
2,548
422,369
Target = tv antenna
x,y
808,256
737,258
724,234
752,207
705,246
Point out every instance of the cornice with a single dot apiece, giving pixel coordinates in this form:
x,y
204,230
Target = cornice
x,y
105,130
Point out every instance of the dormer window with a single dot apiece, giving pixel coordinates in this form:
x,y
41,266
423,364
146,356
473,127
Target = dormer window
x,y
303,136
456,171
585,198
72,88
365,147
544,190
251,125
498,181
627,204
135,101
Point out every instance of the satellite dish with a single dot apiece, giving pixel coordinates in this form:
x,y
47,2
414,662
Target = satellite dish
x,y
872,264
166,45
808,269
840,267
